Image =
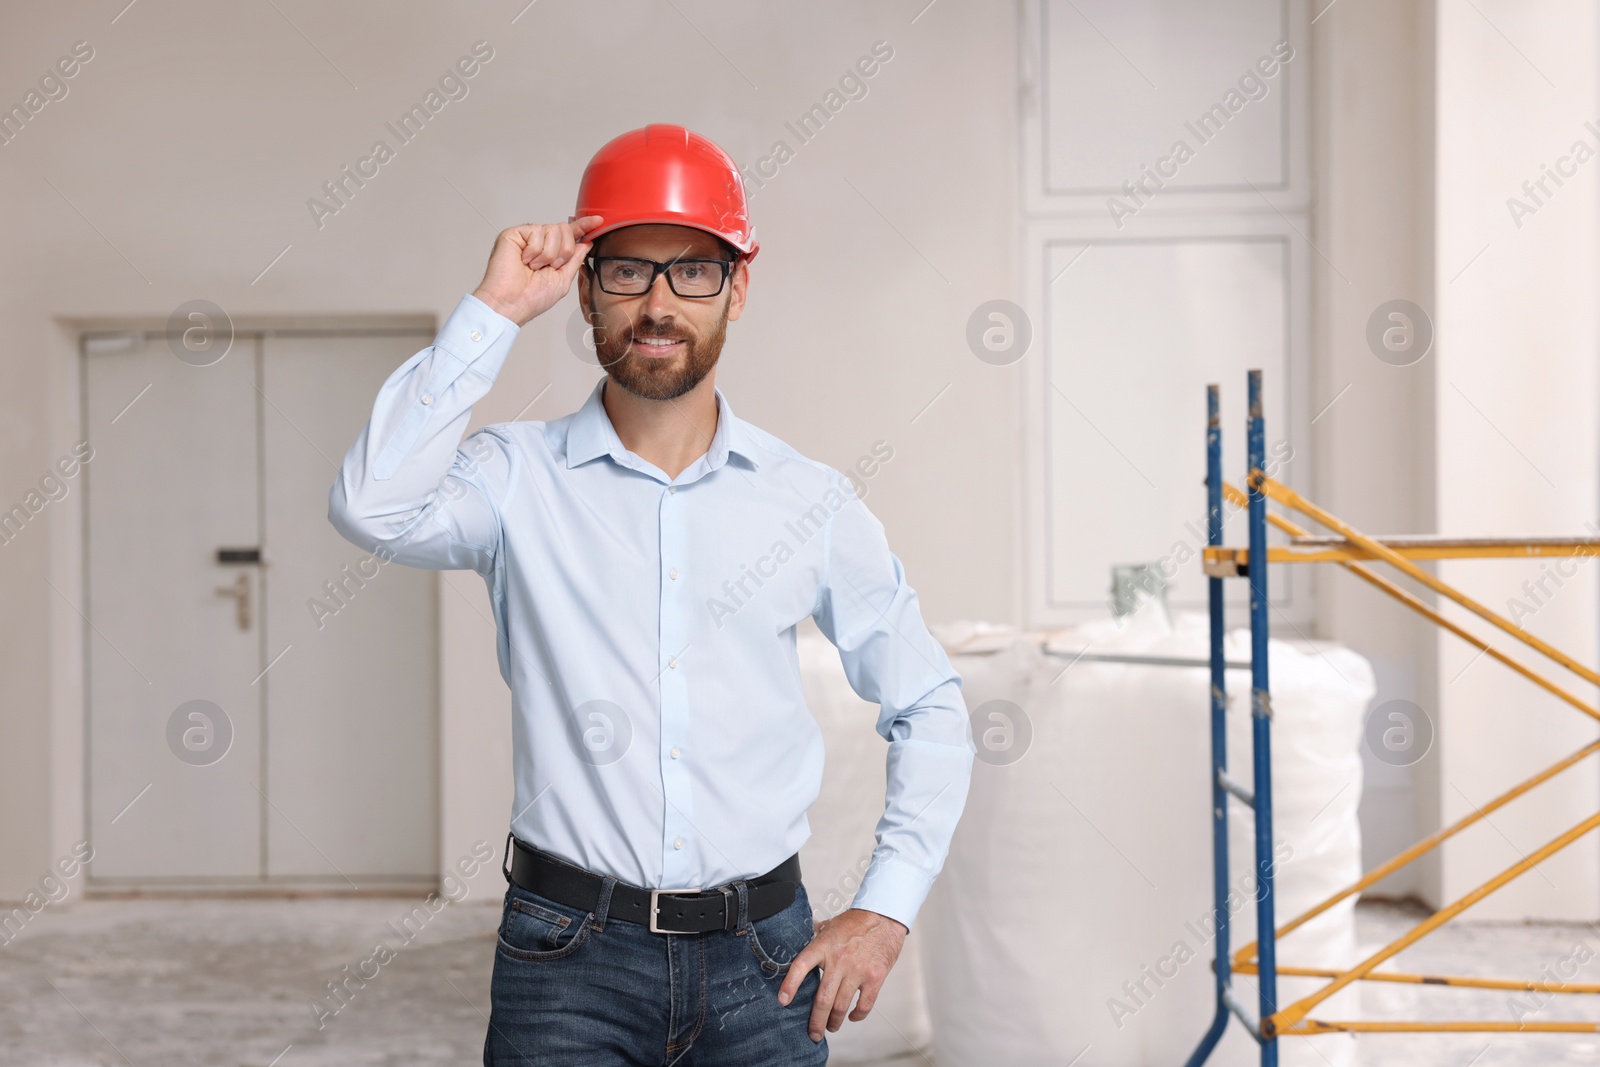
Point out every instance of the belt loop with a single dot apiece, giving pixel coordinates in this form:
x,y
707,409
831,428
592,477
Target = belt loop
x,y
603,905
741,889
505,864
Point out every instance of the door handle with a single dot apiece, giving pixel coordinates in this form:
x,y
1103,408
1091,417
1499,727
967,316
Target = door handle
x,y
240,591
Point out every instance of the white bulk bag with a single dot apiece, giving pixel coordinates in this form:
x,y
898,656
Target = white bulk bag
x,y
1072,917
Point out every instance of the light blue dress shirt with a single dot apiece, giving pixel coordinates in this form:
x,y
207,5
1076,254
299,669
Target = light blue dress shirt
x,y
647,626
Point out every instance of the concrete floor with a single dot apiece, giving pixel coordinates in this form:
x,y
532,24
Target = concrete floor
x,y
228,983
1570,952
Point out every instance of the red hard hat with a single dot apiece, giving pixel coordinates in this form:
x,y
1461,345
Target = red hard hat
x,y
667,174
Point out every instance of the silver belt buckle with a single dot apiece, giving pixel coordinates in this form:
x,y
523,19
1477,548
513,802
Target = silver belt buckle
x,y
655,907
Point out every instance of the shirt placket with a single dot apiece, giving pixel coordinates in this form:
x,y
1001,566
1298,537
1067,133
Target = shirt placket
x,y
677,840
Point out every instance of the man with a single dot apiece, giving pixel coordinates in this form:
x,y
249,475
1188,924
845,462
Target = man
x,y
648,559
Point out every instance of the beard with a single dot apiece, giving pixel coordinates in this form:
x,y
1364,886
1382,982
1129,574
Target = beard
x,y
659,379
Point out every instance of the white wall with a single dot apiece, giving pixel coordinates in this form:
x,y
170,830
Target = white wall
x,y
1430,114
1516,434
1372,73
180,162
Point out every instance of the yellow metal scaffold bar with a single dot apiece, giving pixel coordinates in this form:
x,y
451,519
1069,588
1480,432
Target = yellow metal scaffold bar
x,y
1464,981
1431,842
1309,549
1352,549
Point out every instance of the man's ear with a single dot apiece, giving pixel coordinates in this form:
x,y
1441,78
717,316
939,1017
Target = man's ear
x,y
738,289
582,284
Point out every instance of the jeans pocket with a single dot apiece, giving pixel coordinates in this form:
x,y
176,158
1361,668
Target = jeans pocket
x,y
779,938
533,928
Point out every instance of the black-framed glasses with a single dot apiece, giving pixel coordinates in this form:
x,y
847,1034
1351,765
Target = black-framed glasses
x,y
693,278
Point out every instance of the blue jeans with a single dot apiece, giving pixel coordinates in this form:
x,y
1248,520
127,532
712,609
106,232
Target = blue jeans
x,y
581,989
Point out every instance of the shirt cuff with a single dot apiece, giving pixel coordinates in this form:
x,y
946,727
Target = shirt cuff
x,y
477,335
893,888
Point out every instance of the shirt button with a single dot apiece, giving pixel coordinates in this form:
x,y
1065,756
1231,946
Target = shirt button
x,y
675,752
475,335
672,489
678,843
427,398
673,662
673,574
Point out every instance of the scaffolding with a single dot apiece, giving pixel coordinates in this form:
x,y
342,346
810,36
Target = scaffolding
x,y
1352,550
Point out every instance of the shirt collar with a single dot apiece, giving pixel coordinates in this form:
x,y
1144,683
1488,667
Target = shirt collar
x,y
591,434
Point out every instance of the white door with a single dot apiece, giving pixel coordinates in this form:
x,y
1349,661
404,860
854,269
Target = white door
x,y
262,695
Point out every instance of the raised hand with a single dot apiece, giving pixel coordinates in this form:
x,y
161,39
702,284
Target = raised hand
x,y
532,267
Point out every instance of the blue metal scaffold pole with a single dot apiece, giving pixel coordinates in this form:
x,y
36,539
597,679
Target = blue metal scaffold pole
x,y
1259,795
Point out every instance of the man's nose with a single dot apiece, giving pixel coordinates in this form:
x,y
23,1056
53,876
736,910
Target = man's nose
x,y
660,303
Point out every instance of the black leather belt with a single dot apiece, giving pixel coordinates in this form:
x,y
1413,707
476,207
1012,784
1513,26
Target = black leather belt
x,y
664,911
